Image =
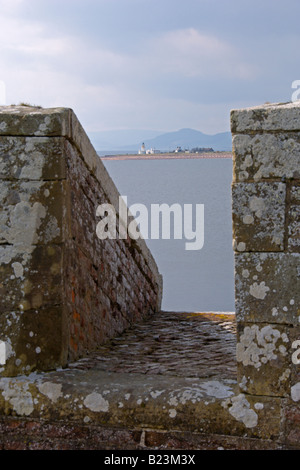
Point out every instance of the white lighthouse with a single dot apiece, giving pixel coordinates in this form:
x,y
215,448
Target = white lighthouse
x,y
142,150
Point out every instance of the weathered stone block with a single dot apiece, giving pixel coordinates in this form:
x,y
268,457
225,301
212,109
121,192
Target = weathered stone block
x,y
258,212
295,365
295,193
267,287
294,229
291,419
293,219
31,212
34,121
32,158
30,280
261,415
34,340
264,359
262,156
266,117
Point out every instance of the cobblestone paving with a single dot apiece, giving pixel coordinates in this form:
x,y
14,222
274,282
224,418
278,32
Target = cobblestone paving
x,y
172,344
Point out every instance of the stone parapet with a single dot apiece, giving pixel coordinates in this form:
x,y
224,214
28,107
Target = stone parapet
x,y
63,290
266,238
157,385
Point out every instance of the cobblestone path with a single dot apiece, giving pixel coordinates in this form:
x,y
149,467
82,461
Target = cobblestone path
x,y
171,344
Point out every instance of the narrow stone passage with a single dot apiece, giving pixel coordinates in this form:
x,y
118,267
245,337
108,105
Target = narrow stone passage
x,y
179,344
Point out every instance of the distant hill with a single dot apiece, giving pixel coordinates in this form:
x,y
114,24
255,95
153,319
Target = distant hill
x,y
184,138
119,139
188,139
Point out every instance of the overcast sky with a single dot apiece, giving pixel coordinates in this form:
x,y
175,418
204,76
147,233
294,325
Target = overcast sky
x,y
149,64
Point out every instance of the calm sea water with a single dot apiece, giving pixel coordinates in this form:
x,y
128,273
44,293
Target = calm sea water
x,y
200,280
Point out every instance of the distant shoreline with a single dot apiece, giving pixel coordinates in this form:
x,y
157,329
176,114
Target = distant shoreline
x,y
168,156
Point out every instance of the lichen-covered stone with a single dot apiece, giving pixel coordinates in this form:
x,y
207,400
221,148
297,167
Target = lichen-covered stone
x,y
294,229
258,212
264,359
94,289
295,365
274,117
293,219
267,287
30,280
32,158
35,340
34,121
266,152
295,193
31,212
155,402
51,183
266,156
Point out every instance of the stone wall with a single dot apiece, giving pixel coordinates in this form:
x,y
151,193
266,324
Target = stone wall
x,y
266,233
63,291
